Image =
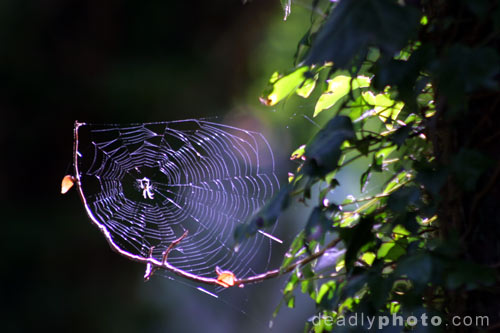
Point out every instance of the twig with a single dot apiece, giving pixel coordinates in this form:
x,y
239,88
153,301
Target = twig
x,y
171,246
150,269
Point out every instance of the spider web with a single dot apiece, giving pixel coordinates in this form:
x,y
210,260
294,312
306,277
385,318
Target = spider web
x,y
144,185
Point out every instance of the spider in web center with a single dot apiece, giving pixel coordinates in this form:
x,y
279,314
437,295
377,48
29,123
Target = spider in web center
x,y
146,187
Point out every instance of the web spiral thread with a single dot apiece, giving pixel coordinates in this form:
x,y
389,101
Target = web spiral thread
x,y
144,185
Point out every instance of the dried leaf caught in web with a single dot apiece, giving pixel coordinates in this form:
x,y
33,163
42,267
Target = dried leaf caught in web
x,y
67,183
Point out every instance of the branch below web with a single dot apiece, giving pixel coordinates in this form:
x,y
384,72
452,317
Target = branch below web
x,y
153,264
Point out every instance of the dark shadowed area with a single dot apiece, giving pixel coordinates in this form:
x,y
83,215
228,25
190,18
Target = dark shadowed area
x,y
116,62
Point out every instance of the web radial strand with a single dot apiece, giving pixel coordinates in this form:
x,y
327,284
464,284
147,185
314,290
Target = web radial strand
x,y
144,185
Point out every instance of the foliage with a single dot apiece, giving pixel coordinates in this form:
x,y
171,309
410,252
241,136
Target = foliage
x,y
386,72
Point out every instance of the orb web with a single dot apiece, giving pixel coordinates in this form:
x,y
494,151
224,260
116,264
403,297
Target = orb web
x,y
144,185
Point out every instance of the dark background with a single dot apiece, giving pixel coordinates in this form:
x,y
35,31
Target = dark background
x,y
119,62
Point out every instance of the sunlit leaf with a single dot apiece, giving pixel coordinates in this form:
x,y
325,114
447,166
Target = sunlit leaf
x,y
400,230
384,106
290,301
308,283
282,87
368,258
384,249
326,290
298,153
307,88
295,248
394,307
385,152
397,181
339,87
390,251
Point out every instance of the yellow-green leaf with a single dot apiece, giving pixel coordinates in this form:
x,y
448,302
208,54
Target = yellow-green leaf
x,y
339,87
385,107
400,230
368,257
327,289
298,153
307,88
283,86
384,249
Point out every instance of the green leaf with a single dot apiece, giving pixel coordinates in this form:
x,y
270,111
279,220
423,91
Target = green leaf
x,y
399,179
365,177
400,230
308,284
324,150
404,74
384,249
292,283
354,26
385,152
368,258
288,297
280,88
339,87
390,251
359,109
326,292
386,108
326,322
290,301
307,87
298,153
408,221
297,245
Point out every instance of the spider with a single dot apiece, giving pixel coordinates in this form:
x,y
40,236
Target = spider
x,y
146,187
